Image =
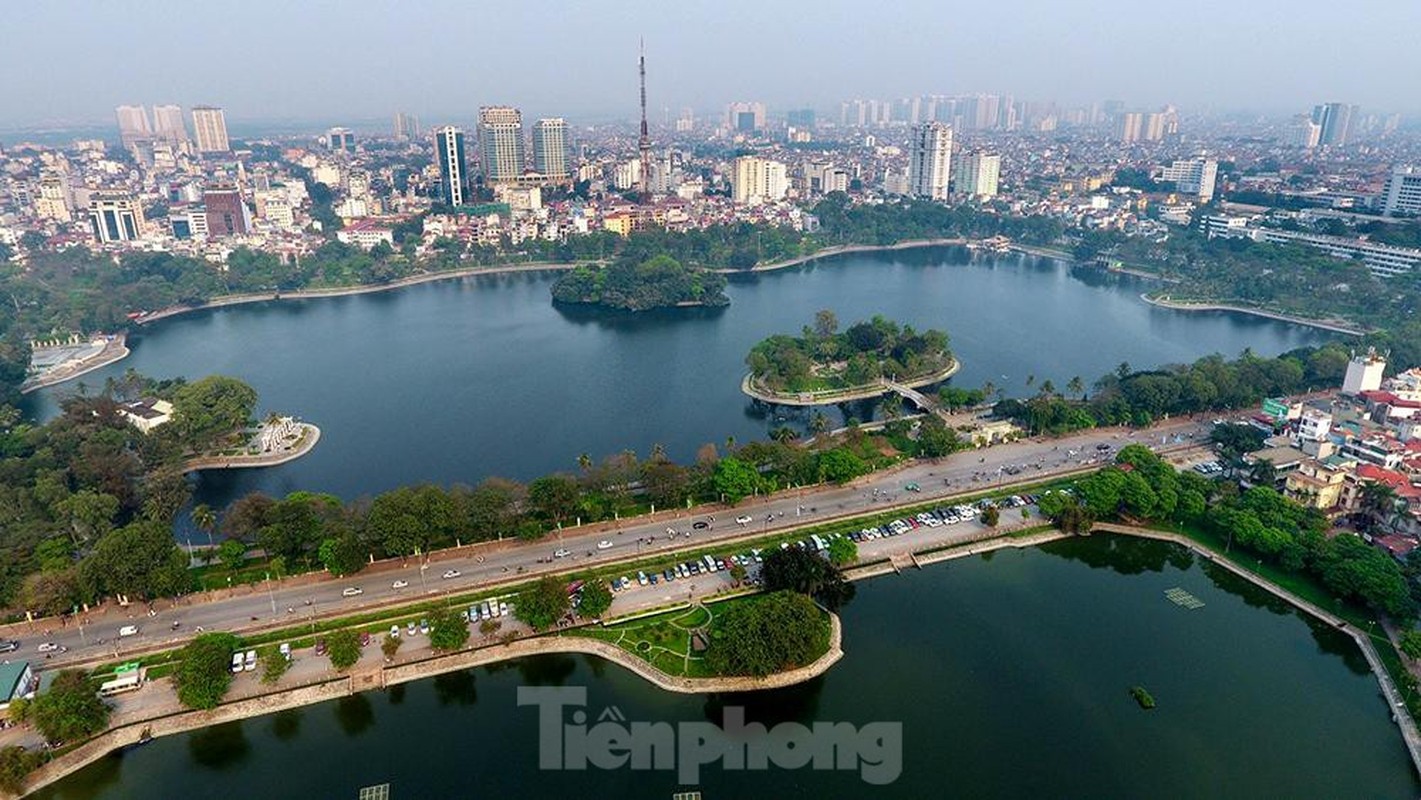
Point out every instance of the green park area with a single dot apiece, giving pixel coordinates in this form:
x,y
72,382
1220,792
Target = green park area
x,y
749,635
823,359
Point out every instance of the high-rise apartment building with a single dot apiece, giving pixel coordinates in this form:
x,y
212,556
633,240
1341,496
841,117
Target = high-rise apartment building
x,y
802,118
1303,132
929,158
975,175
226,213
449,149
1194,176
1129,125
550,148
341,140
501,143
115,217
1402,194
406,126
755,180
132,124
168,123
53,200
745,117
209,126
1337,121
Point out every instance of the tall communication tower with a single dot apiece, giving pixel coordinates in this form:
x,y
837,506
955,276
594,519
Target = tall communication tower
x,y
644,143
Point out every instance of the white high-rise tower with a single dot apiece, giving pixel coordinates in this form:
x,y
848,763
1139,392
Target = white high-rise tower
x,y
929,157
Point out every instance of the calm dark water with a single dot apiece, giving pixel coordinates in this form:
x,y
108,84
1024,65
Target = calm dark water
x,y
1010,680
455,381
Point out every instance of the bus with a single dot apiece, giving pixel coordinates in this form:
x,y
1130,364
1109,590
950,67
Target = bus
x,y
126,678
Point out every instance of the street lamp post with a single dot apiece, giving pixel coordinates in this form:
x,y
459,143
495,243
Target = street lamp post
x,y
271,595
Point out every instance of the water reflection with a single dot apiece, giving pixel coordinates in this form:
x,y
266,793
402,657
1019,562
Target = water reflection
x,y
286,725
221,747
1122,554
456,688
354,714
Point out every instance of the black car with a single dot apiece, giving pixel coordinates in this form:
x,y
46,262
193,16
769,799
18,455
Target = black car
x,y
700,524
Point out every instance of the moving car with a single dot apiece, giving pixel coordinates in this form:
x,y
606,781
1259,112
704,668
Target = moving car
x,y
561,552
604,545
128,630
399,584
9,645
451,573
352,591
700,524
48,647
745,520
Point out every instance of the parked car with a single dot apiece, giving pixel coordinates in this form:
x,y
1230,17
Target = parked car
x,y
352,591
236,663
249,661
395,631
320,647
285,650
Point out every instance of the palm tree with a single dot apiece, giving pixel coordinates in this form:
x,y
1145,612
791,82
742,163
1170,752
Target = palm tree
x,y
988,389
1076,386
1030,379
819,422
584,461
1378,502
730,444
205,519
1047,387
658,452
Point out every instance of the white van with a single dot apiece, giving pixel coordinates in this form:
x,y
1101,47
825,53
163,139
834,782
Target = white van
x,y
128,630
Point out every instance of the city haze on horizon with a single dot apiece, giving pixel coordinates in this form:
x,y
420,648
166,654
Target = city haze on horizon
x,y
329,64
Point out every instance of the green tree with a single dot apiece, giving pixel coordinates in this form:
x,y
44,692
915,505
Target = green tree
x,y
555,498
211,408
542,604
233,554
1411,644
139,559
274,664
90,514
343,554
204,519
991,515
841,465
842,551
734,479
16,763
343,649
203,674
390,646
447,631
807,573
596,599
70,711
766,634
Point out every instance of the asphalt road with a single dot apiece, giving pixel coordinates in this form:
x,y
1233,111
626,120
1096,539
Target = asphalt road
x,y
290,602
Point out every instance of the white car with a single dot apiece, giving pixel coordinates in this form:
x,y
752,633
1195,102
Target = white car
x,y
604,545
128,630
48,647
745,520
399,584
451,573
561,553
353,591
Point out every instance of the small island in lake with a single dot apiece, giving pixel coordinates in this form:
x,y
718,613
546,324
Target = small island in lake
x,y
1144,698
822,365
633,284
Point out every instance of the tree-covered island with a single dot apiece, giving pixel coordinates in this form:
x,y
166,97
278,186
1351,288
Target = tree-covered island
x,y
640,285
822,359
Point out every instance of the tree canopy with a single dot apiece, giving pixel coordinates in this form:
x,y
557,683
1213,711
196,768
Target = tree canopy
x,y
767,633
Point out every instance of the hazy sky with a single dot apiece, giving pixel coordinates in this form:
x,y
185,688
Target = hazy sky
x,y
329,62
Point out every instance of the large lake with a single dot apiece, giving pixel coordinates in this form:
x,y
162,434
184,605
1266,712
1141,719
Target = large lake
x,y
455,381
1009,676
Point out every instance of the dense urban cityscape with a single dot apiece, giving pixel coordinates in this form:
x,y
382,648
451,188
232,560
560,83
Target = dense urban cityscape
x,y
633,434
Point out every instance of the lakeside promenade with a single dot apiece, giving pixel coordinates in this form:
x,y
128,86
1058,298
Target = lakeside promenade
x,y
1335,326
310,434
839,250
115,349
828,397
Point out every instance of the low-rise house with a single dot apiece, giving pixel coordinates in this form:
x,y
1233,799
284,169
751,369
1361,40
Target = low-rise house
x,y
146,414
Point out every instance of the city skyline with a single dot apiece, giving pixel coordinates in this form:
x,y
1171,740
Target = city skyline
x,y
1029,50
